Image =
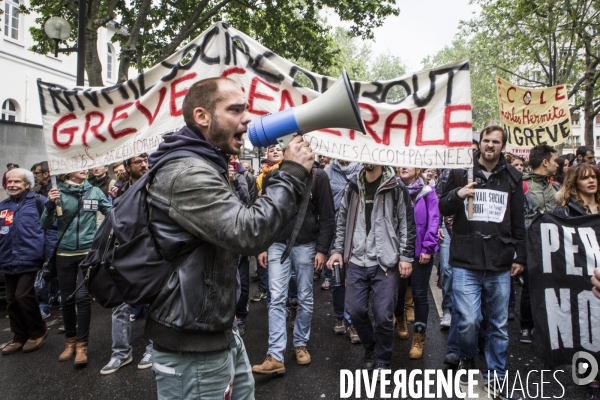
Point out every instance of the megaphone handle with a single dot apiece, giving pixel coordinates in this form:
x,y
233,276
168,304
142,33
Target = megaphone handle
x,y
285,140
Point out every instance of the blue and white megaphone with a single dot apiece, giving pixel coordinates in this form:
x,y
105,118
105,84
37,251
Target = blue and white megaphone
x,y
336,108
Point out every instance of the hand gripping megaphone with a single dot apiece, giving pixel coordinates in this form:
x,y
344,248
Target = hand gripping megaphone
x,y
336,108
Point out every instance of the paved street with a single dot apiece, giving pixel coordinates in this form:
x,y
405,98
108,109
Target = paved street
x,y
39,375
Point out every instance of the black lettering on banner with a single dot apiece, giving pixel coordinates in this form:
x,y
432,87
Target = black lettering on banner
x,y
122,91
62,96
324,84
75,93
92,96
564,128
227,48
375,95
270,77
235,46
134,89
104,92
208,60
295,69
423,102
389,86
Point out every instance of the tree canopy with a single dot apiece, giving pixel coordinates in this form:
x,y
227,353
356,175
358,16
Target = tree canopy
x,y
151,30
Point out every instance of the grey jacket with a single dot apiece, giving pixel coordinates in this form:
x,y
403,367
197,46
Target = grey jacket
x,y
392,235
197,219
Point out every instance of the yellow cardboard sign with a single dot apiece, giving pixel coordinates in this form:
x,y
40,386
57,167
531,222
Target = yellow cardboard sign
x,y
533,116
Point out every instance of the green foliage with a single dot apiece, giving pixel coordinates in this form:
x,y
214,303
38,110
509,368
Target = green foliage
x,y
291,28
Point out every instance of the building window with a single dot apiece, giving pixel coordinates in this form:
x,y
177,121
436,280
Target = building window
x,y
11,19
597,141
597,119
9,111
110,57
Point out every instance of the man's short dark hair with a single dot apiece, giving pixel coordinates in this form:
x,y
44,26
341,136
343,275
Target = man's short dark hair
x,y
127,162
34,166
44,166
540,153
12,165
475,142
582,151
492,128
205,94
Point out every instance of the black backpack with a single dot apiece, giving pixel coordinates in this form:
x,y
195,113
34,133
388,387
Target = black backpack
x,y
124,264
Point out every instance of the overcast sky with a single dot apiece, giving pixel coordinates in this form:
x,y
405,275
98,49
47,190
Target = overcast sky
x,y
423,28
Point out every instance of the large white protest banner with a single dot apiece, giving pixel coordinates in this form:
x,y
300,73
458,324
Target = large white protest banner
x,y
429,127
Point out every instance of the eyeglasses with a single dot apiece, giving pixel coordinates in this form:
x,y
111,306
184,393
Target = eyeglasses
x,y
38,173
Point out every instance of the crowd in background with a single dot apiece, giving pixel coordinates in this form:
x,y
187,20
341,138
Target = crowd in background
x,y
418,207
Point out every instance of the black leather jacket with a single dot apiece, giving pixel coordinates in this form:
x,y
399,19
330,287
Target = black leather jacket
x,y
197,218
572,209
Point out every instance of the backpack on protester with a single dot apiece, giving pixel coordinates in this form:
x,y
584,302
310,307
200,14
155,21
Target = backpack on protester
x,y
124,264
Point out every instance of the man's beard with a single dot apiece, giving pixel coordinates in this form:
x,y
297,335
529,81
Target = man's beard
x,y
220,137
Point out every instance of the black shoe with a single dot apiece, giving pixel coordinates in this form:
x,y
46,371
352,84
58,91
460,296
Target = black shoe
x,y
316,276
526,336
452,360
511,314
466,364
253,277
501,389
369,362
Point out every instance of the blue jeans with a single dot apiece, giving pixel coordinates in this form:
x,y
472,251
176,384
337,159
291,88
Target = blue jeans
x,y
446,271
383,288
211,376
420,285
302,261
121,332
473,290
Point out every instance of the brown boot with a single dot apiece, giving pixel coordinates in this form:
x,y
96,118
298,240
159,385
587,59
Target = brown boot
x,y
270,366
81,353
401,327
416,350
409,305
69,349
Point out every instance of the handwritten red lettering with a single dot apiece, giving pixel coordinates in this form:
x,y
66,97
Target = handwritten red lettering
x,y
93,128
448,124
64,131
151,117
373,121
116,117
407,125
420,123
255,94
507,94
175,94
557,95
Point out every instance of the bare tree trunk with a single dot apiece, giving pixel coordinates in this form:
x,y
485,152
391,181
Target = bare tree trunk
x,y
93,66
128,51
588,103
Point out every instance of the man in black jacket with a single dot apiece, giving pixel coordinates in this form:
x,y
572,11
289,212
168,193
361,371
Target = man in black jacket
x,y
203,227
485,251
308,254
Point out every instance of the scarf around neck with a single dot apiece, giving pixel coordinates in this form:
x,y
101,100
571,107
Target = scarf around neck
x,y
415,188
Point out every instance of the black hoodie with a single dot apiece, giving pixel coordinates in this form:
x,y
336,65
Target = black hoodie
x,y
192,139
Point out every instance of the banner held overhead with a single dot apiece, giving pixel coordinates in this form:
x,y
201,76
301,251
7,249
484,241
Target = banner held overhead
x,y
533,116
429,127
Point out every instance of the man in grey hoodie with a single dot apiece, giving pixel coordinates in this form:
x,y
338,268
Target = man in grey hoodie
x,y
375,241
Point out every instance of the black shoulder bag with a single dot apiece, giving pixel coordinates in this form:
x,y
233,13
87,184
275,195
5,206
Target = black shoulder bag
x,y
49,267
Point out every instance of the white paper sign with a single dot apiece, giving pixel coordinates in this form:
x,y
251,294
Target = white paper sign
x,y
488,205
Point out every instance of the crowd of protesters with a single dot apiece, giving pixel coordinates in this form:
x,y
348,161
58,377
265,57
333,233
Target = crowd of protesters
x,y
384,229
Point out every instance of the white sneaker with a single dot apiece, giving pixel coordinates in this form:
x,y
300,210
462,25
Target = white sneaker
x,y
146,361
446,319
114,364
